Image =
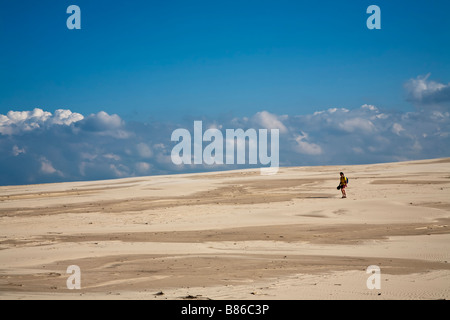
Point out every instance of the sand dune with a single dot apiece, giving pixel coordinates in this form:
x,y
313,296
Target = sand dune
x,y
232,235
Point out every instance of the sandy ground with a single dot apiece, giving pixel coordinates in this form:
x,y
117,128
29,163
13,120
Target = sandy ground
x,y
233,235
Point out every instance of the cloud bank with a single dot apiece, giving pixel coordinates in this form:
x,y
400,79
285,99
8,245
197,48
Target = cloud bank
x,y
38,146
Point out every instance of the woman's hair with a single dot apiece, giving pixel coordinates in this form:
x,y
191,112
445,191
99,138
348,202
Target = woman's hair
x,y
341,173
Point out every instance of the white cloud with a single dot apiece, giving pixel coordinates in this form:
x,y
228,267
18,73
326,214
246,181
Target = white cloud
x,y
421,86
17,151
66,117
17,122
439,116
47,168
331,111
357,124
304,147
334,110
397,128
111,156
143,167
369,107
119,171
88,156
269,121
421,90
144,150
105,124
110,121
380,116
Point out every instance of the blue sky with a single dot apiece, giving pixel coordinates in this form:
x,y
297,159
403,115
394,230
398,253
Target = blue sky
x,y
141,65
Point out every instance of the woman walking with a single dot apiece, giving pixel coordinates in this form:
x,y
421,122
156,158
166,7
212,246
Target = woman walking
x,y
343,184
